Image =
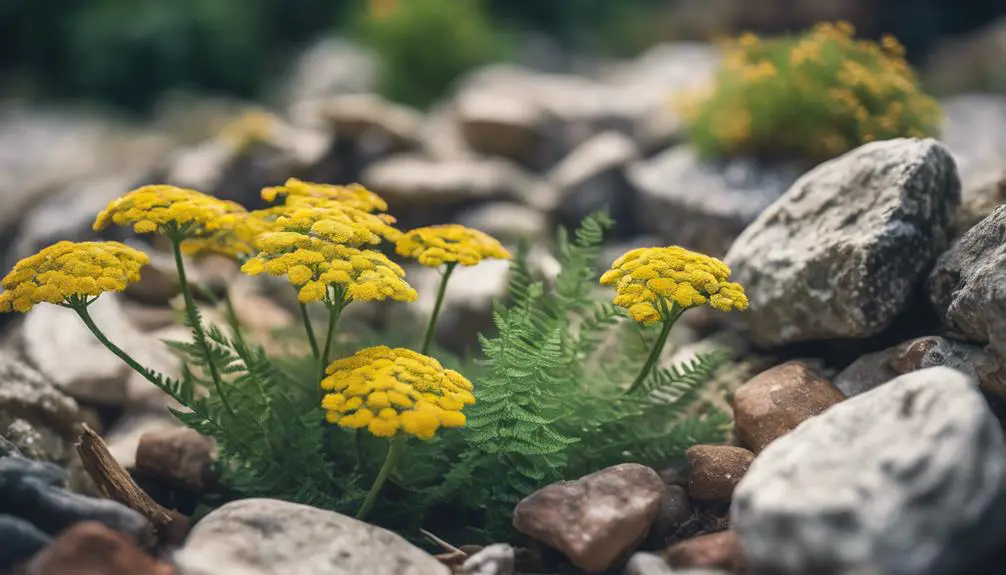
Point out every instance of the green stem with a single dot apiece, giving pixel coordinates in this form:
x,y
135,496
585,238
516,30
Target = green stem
x,y
382,476
197,327
432,328
310,332
232,318
670,316
125,357
334,311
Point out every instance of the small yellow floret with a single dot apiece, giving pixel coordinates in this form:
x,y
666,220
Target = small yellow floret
x,y
433,246
395,391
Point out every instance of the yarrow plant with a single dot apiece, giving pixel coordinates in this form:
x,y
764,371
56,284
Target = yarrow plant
x,y
809,97
341,432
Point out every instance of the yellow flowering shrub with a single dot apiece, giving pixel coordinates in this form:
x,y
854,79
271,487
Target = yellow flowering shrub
x,y
170,209
392,391
71,274
651,283
810,97
449,243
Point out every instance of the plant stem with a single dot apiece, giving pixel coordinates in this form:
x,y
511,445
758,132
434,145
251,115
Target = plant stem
x,y
382,475
310,331
670,316
334,311
197,327
432,328
125,357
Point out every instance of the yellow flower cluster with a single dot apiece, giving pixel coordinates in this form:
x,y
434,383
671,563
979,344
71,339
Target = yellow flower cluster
x,y
313,264
650,281
449,243
68,271
353,195
170,209
395,391
331,220
810,97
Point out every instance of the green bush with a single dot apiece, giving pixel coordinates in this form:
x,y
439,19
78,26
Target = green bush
x,y
810,97
424,45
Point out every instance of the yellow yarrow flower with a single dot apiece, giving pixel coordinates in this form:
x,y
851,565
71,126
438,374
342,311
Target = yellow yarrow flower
x,y
70,273
313,264
353,195
237,242
449,243
170,209
333,221
393,392
650,281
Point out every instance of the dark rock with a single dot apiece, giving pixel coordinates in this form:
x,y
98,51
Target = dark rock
x,y
675,509
178,455
20,541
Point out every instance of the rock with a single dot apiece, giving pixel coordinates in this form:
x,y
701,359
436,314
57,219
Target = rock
x,y
925,444
675,509
715,470
34,491
713,551
508,222
44,420
984,194
59,345
775,401
840,254
966,62
158,283
123,438
596,519
651,564
593,177
703,205
179,455
90,548
373,124
973,129
329,67
21,540
500,125
268,536
497,559
878,368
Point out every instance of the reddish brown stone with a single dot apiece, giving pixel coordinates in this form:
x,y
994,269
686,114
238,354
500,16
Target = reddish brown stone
x,y
180,455
777,400
719,550
714,470
90,548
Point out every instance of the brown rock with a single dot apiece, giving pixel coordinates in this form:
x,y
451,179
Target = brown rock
x,y
714,470
90,548
596,519
180,455
719,550
775,401
675,509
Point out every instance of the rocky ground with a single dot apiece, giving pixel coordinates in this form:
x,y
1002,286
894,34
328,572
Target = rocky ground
x,y
868,423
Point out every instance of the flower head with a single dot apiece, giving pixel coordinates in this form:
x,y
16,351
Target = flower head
x,y
313,264
236,242
650,281
170,209
395,391
353,195
331,220
69,273
449,243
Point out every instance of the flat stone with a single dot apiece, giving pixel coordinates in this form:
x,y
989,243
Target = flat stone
x,y
272,537
719,550
90,548
596,519
908,478
841,253
715,470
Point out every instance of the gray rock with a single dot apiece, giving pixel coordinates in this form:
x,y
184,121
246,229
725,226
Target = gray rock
x,y
508,222
842,252
909,478
500,125
596,519
496,559
21,541
878,368
371,123
974,128
979,199
592,177
268,536
703,205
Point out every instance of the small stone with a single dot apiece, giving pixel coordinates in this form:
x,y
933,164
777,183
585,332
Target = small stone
x,y
90,548
908,478
259,536
675,509
841,253
21,540
775,401
180,455
498,125
496,559
123,438
716,470
878,368
596,519
713,551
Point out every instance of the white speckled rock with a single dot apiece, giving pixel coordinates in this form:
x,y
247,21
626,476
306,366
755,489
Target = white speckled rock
x,y
906,479
272,537
840,254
